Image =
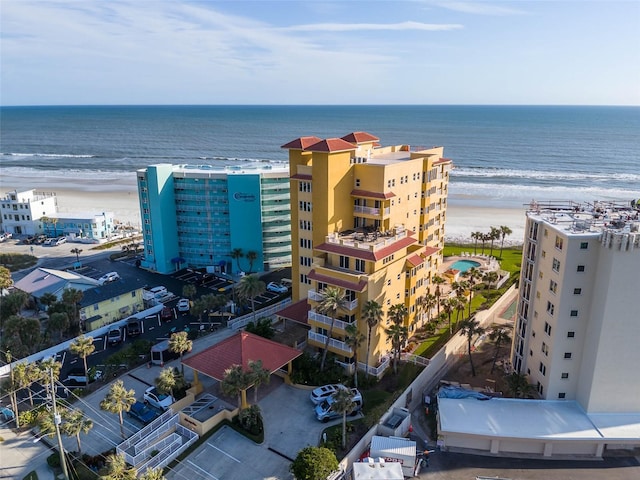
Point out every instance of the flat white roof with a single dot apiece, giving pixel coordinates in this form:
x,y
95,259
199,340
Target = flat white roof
x,y
516,418
621,426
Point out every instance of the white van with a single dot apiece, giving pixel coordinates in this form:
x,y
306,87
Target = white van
x,y
158,291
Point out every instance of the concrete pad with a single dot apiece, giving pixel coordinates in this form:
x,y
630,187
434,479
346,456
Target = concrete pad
x,y
19,456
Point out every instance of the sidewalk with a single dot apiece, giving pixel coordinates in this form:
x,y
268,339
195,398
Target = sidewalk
x,y
19,456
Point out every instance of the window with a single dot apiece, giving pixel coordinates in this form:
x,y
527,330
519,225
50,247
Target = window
x,y
580,268
571,334
553,286
577,291
564,375
559,242
357,182
542,369
562,395
305,261
550,308
584,245
567,354
556,265
360,265
540,388
545,349
574,313
305,187
547,328
344,261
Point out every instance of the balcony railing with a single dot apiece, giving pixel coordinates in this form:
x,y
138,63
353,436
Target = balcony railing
x,y
319,296
326,320
333,343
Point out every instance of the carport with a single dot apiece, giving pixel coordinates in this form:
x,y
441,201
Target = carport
x,y
239,349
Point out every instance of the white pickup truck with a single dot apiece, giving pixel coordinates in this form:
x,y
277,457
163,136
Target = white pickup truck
x,y
77,376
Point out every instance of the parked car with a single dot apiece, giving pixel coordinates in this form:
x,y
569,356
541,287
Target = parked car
x,y
143,413
183,305
156,399
276,287
166,314
77,376
134,327
109,277
114,336
159,291
48,242
326,410
320,394
59,241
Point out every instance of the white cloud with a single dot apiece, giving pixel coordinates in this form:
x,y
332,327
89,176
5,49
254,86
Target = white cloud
x,y
353,27
479,8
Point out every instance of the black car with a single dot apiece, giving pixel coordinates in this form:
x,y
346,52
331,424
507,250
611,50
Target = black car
x,y
134,327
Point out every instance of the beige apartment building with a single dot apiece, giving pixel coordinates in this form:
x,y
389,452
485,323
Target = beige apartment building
x,y
369,220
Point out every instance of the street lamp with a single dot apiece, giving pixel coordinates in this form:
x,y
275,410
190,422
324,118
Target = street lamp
x,y
56,421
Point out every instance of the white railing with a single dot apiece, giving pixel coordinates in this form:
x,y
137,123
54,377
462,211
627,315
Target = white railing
x,y
375,371
416,359
324,319
169,453
161,425
315,296
366,210
337,344
241,322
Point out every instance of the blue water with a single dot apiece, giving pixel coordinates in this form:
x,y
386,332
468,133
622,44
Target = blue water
x,y
504,156
464,265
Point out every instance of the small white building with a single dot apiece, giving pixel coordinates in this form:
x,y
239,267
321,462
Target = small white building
x,y
21,211
80,226
372,469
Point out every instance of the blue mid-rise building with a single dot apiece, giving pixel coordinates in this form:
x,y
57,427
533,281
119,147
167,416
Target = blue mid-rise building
x,y
197,215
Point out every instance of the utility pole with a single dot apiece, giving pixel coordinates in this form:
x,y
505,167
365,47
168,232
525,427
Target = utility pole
x,y
56,422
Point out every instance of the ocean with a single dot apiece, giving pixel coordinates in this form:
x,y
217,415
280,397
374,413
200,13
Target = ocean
x,y
504,156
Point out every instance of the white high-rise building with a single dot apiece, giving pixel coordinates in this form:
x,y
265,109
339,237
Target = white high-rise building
x,y
577,336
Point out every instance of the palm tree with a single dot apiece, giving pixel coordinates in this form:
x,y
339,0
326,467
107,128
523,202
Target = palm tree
x,y
251,256
448,306
471,327
179,343
398,313
437,281
76,423
372,314
398,334
83,347
235,382
354,339
459,304
483,238
472,275
58,322
429,303
189,291
168,380
48,299
259,376
494,235
343,404
333,300
490,278
504,232
24,374
117,469
498,335
72,298
236,254
46,366
77,251
5,278
153,474
118,400
476,236
249,287
518,385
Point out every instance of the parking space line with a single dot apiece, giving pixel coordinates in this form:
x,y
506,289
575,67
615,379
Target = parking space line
x,y
202,470
224,453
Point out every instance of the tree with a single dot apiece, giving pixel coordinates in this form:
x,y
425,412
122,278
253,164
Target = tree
x,y
498,335
476,236
372,314
504,232
48,299
189,291
448,306
263,328
438,281
74,424
235,383
13,303
179,343
519,385
153,474
12,387
491,278
236,254
397,313
333,300
483,238
259,375
117,469
118,400
398,334
169,380
77,252
249,287
343,404
314,463
471,327
251,256
58,322
83,347
22,336
354,339
428,303
473,275
72,297
24,374
494,235
5,278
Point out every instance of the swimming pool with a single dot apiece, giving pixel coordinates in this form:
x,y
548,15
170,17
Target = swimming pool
x,y
464,265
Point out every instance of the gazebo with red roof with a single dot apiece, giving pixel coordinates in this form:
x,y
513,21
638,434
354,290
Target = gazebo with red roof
x,y
239,349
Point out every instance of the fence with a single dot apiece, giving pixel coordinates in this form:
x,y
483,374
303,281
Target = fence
x,y
172,450
241,322
161,425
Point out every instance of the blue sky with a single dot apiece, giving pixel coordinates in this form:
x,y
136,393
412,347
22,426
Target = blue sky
x,y
317,52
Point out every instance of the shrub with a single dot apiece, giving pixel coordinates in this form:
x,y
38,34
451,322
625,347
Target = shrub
x,y
53,460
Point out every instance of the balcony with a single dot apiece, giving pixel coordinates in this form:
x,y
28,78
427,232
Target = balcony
x,y
319,296
371,241
335,345
326,320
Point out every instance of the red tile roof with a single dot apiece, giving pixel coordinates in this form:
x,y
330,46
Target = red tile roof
x,y
296,312
301,143
301,176
442,160
366,254
338,282
415,260
368,194
331,145
360,137
238,350
428,251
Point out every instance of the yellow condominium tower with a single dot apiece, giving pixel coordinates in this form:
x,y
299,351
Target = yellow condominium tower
x,y
368,220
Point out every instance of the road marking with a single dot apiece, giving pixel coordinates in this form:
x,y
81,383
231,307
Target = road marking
x,y
223,452
73,361
201,469
151,328
105,343
64,355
